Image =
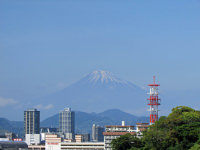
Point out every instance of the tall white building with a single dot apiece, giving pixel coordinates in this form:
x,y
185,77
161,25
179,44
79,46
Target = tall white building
x,y
97,133
67,123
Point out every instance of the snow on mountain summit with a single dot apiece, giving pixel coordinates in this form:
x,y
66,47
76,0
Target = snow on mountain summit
x,y
104,77
97,91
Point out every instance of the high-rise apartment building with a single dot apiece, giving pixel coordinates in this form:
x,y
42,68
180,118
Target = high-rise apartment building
x,y
67,123
97,133
32,126
31,121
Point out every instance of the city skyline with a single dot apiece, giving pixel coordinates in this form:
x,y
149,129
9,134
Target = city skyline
x,y
47,46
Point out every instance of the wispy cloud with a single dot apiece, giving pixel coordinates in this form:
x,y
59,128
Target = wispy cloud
x,y
61,85
45,107
49,106
7,101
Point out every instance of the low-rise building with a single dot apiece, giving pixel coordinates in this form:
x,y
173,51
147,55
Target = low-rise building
x,y
36,147
53,142
115,131
78,138
82,146
82,137
140,127
32,139
3,137
10,145
7,136
45,130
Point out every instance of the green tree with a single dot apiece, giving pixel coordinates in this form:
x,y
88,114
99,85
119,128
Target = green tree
x,y
126,142
195,147
180,130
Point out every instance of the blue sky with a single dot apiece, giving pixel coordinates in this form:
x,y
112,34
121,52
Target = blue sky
x,y
48,44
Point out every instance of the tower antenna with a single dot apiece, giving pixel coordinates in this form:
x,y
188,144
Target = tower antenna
x,y
154,101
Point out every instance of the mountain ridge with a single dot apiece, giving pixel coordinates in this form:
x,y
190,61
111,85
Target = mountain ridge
x,y
83,121
11,126
97,91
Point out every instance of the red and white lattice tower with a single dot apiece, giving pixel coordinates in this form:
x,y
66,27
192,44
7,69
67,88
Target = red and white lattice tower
x,y
153,102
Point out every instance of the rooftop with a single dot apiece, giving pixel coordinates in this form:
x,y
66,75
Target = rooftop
x,y
118,133
11,144
142,123
118,126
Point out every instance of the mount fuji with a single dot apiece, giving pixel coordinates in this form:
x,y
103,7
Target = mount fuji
x,y
97,92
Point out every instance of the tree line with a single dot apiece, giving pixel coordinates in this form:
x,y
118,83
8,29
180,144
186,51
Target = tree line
x,y
180,130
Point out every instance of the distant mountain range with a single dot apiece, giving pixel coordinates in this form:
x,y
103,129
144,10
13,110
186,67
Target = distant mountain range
x,y
83,121
97,92
11,126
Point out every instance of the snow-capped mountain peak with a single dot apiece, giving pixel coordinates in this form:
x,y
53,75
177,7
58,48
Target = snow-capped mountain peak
x,y
103,77
98,91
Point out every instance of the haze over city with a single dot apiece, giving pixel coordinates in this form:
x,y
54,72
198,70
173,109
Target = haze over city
x,y
47,46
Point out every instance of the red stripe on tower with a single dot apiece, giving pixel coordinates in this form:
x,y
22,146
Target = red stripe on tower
x,y
154,101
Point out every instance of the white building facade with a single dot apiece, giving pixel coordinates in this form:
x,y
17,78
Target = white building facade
x,y
67,123
115,131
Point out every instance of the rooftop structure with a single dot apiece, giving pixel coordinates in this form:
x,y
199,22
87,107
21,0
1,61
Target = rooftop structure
x,y
45,130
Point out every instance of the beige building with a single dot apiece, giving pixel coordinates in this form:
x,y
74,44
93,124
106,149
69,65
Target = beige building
x,y
115,131
54,142
82,137
79,138
83,146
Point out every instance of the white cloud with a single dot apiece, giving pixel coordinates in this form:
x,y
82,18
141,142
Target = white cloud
x,y
61,85
49,106
7,101
45,107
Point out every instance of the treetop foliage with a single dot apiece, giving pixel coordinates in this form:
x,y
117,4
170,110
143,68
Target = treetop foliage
x,y
180,130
